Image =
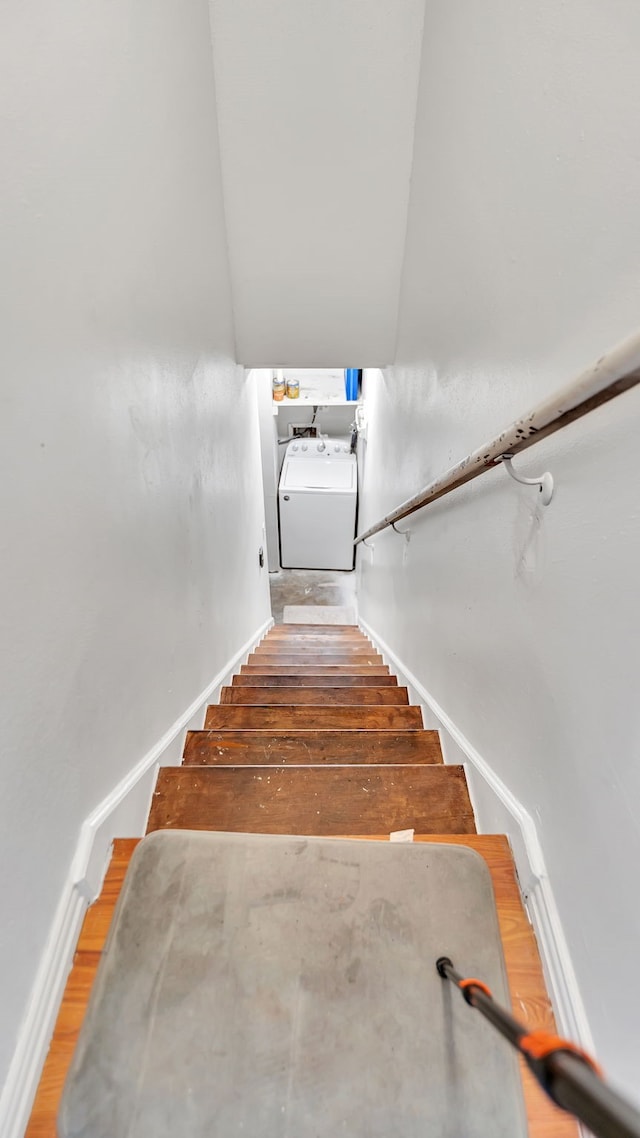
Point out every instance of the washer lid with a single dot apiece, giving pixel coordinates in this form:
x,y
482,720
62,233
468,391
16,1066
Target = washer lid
x,y
321,473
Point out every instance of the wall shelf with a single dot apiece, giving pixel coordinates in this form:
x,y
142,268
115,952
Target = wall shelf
x,y
312,401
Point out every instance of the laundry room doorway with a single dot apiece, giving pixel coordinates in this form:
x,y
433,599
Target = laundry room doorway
x,y
308,439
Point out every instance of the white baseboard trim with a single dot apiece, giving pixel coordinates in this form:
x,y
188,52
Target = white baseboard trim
x,y
123,813
528,855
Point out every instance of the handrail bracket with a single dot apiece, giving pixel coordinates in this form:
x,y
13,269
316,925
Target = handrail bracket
x,y
544,482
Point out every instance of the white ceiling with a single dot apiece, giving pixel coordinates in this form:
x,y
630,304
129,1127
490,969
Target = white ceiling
x,y
316,109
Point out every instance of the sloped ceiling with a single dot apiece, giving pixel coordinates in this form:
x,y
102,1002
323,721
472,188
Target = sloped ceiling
x,y
316,109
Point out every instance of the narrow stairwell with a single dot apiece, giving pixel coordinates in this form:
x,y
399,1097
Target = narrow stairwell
x,y
315,737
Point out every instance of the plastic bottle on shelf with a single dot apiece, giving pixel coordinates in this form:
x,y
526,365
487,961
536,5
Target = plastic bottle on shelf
x,y
279,386
351,382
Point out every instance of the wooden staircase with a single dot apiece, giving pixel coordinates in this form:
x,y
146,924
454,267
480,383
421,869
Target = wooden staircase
x,y
288,755
314,736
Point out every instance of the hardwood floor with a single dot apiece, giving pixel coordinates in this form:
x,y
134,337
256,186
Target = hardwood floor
x,y
302,659
317,670
325,696
310,739
291,717
314,681
257,748
323,800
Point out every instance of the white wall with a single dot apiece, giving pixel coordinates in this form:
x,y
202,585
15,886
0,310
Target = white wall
x,y
316,105
130,477
522,266
269,457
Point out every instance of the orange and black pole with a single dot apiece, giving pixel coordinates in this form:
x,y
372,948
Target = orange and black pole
x,y
569,1076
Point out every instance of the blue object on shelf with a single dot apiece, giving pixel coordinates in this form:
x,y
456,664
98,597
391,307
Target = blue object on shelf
x,y
351,382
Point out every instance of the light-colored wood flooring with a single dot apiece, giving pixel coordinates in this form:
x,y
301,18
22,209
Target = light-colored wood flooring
x,y
528,994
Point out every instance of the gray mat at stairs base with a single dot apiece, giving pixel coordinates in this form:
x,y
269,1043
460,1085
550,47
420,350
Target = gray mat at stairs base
x,y
268,986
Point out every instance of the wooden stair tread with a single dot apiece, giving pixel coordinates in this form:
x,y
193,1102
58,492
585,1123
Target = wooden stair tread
x,y
219,748
321,643
313,800
350,639
284,669
317,650
307,659
318,631
338,696
315,638
310,680
330,629
289,716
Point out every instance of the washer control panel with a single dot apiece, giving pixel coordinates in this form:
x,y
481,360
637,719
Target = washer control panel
x,y
333,448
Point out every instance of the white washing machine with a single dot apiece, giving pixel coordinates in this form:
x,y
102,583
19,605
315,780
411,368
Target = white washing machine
x,y
317,497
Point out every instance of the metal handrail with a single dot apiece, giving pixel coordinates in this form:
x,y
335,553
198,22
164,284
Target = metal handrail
x,y
614,373
569,1076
